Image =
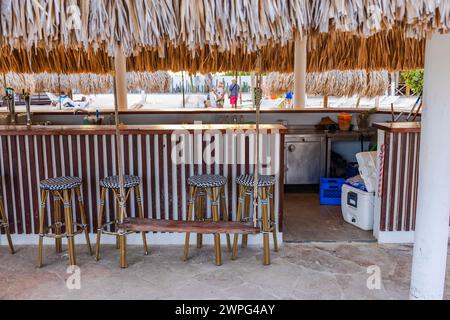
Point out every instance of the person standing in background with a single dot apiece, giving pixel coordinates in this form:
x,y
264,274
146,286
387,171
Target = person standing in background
x,y
212,99
233,92
220,95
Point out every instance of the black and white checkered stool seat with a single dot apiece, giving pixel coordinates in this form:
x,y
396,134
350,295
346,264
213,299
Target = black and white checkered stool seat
x,y
113,182
207,181
60,183
248,180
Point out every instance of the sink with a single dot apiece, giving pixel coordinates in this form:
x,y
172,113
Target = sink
x,y
4,119
21,119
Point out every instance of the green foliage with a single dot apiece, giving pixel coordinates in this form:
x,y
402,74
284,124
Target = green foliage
x,y
241,74
414,79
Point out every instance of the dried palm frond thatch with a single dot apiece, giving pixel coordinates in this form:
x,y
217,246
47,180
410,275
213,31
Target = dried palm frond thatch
x,y
19,82
227,25
157,82
85,83
332,83
58,60
79,36
389,50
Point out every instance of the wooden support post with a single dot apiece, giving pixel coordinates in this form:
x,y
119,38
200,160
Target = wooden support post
x,y
300,64
325,102
183,89
121,89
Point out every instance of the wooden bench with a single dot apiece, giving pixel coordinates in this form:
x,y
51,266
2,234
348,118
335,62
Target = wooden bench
x,y
176,226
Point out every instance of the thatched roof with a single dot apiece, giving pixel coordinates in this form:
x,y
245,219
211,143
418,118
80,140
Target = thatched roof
x,y
197,24
213,35
58,60
19,82
332,83
389,50
158,82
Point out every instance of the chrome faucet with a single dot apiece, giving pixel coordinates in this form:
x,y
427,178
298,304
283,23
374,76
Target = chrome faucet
x,y
27,98
10,99
77,111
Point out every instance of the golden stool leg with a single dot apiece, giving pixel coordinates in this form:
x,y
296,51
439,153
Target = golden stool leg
x,y
4,219
83,219
100,223
57,218
247,208
123,251
216,218
117,216
122,237
44,195
69,227
192,195
141,215
223,205
273,218
200,214
238,218
265,225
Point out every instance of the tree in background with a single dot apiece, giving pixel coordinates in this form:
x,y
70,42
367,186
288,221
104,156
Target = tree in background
x,y
414,79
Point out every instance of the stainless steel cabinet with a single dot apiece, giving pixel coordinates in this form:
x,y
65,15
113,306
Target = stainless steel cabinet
x,y
305,158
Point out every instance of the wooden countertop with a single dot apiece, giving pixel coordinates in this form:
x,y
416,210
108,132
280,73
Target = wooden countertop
x,y
211,111
401,127
129,129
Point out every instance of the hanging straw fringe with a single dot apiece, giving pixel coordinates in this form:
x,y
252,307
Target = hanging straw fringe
x,y
390,51
158,82
332,83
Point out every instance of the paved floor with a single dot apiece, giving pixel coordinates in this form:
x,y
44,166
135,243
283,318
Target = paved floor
x,y
306,220
298,271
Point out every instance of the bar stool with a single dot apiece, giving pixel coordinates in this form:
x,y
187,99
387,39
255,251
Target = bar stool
x,y
200,187
266,186
112,183
62,189
5,225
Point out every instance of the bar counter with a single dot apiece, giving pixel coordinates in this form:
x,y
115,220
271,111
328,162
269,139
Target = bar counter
x,y
130,129
212,111
31,154
396,197
399,127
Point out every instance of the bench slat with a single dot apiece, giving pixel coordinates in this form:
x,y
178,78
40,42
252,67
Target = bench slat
x,y
174,226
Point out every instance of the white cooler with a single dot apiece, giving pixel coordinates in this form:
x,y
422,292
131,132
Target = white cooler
x,y
358,207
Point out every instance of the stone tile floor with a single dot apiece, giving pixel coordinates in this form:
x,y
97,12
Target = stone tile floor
x,y
306,220
298,271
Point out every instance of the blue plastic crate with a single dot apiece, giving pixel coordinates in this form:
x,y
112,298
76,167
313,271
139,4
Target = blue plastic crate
x,y
331,191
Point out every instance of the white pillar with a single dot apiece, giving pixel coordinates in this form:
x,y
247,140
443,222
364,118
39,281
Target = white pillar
x,y
432,222
393,83
300,59
120,65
